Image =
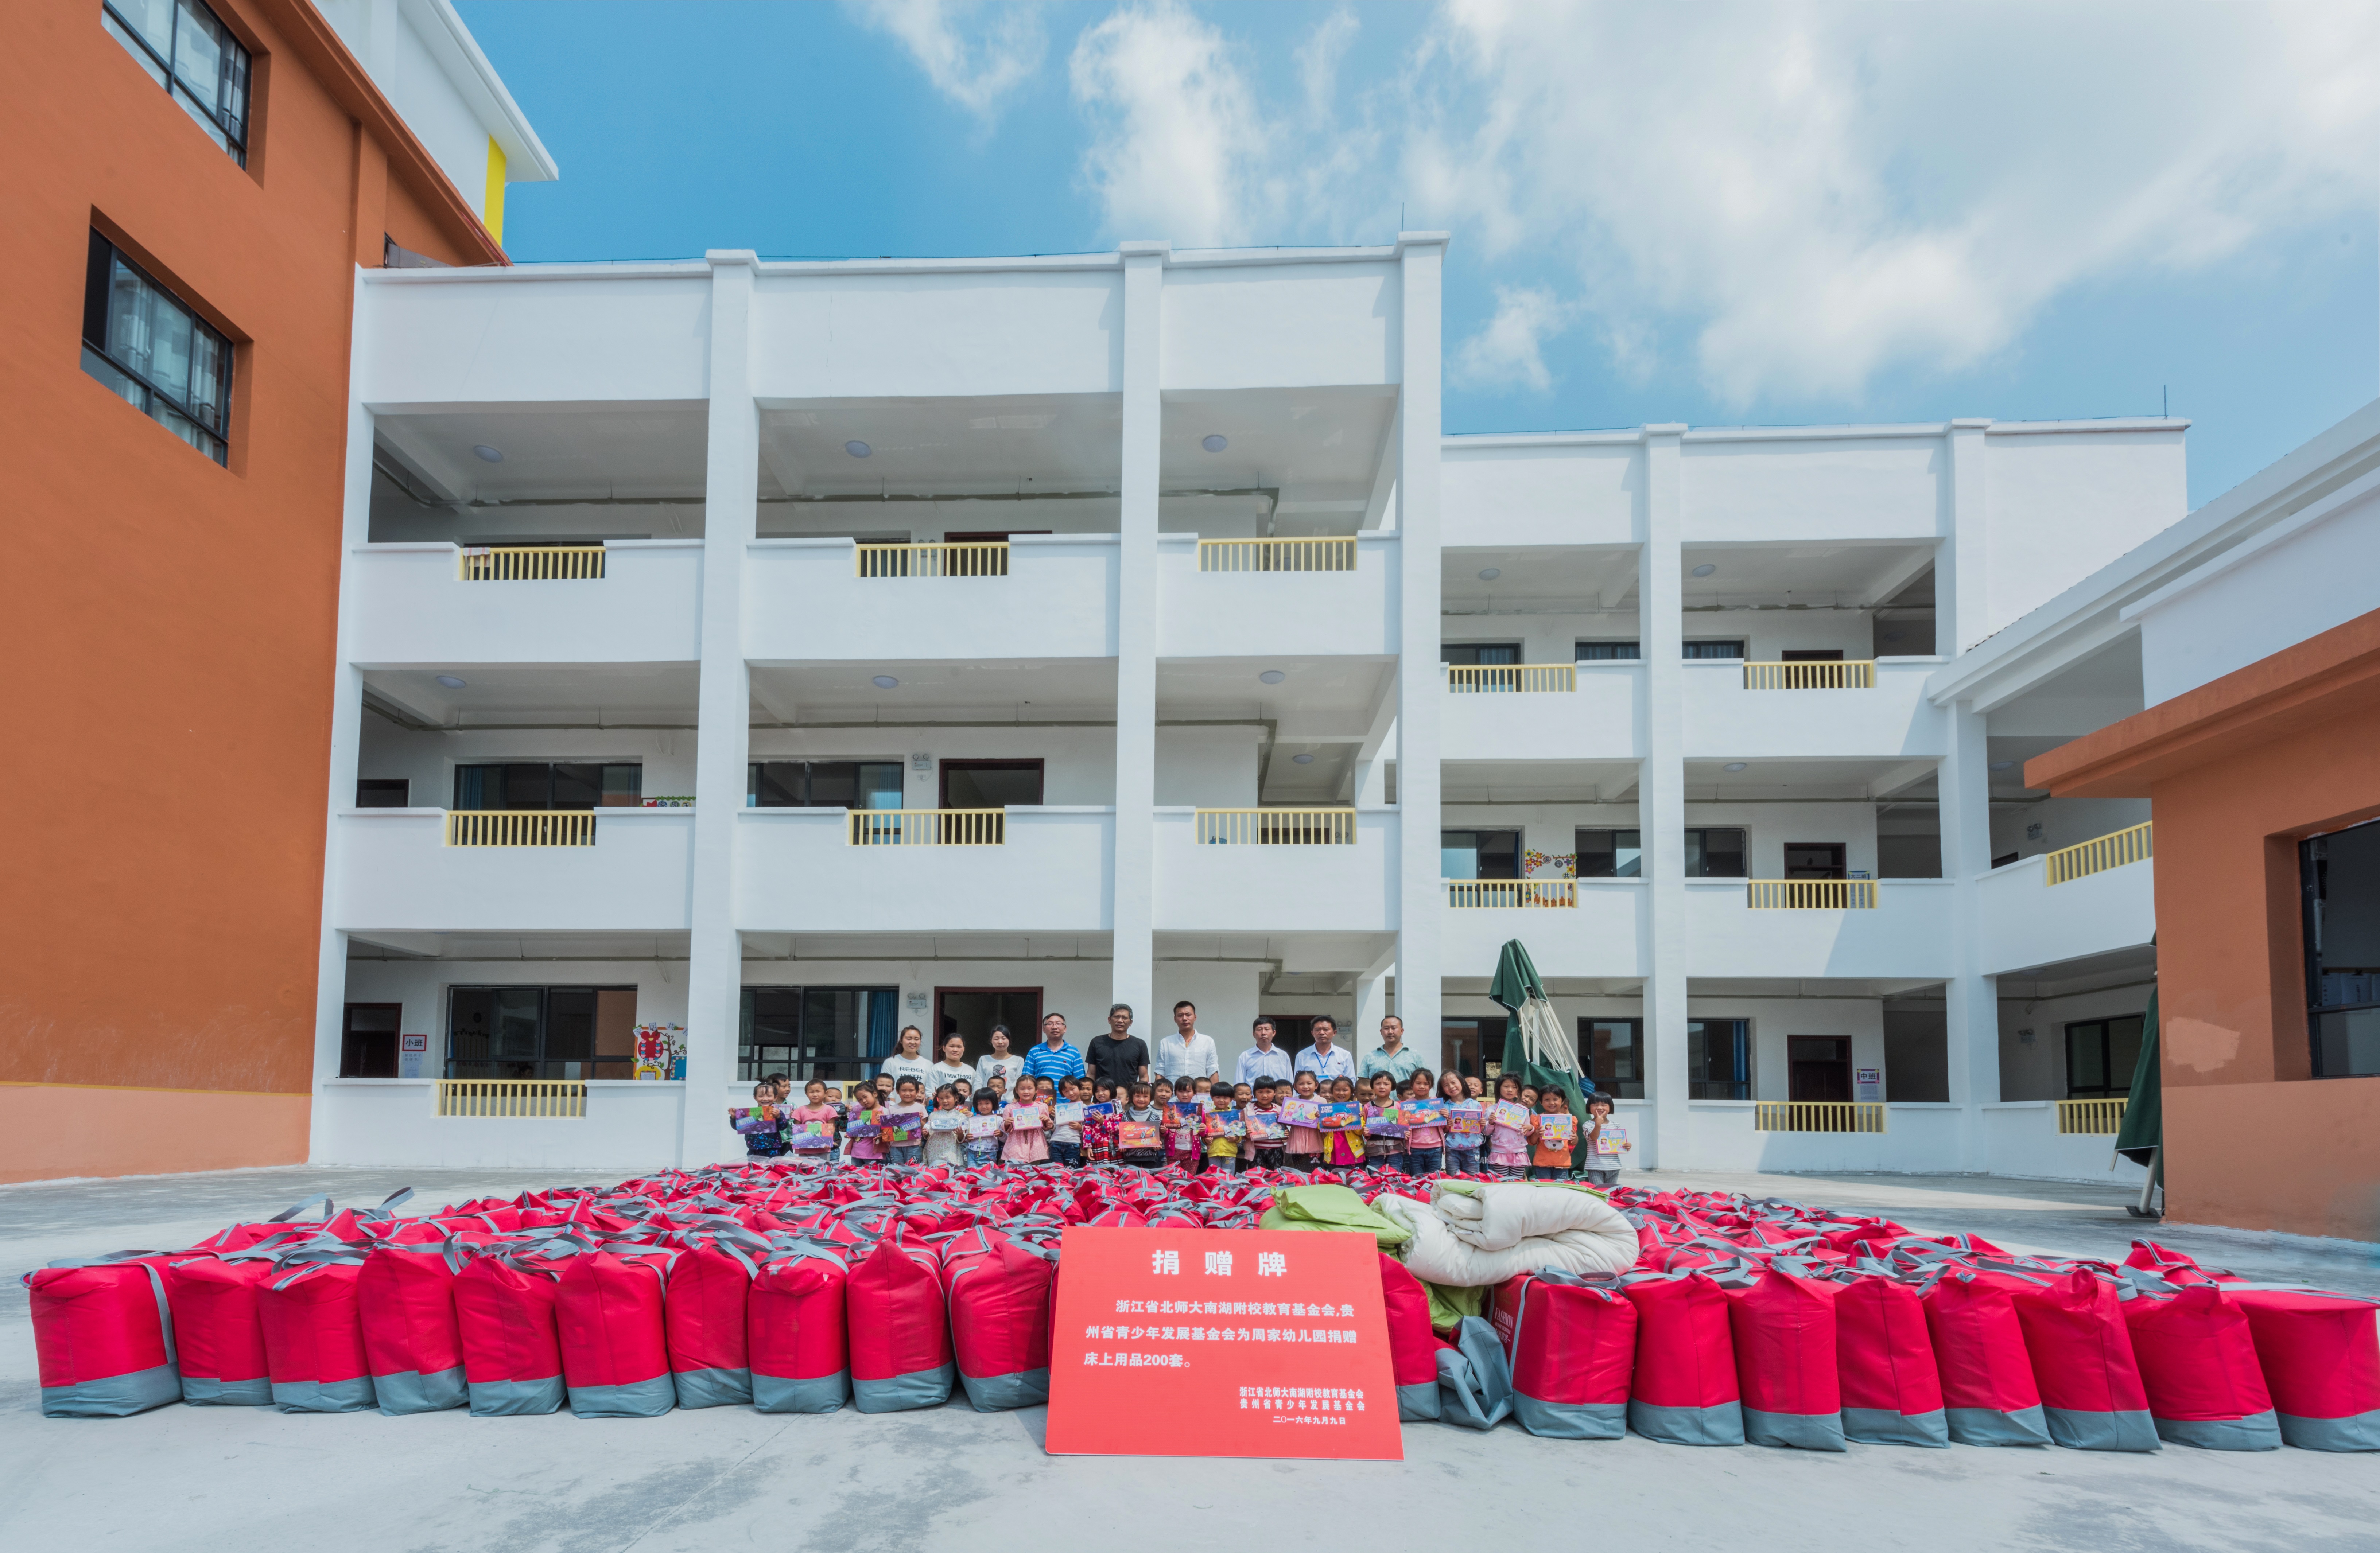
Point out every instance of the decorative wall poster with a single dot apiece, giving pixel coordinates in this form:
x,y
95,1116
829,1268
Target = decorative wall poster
x,y
1221,1342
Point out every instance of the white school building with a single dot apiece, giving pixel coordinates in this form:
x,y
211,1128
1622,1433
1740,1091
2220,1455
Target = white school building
x,y
790,652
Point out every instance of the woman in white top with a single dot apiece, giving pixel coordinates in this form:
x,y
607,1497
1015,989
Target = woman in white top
x,y
954,1065
908,1065
998,1061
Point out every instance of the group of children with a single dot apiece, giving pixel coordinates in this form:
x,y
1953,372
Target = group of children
x,y
1421,1127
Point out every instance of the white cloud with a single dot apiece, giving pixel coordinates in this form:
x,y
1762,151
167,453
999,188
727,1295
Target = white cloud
x,y
975,71
1509,352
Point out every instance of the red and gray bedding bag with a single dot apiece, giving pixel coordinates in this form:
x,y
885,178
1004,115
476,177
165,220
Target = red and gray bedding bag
x,y
901,1351
2320,1358
614,1353
511,1344
1684,1391
103,1337
413,1342
314,1333
1571,1345
217,1330
795,1345
705,1319
1413,1346
2082,1350
1786,1363
1988,1393
2199,1367
1883,1358
1002,1292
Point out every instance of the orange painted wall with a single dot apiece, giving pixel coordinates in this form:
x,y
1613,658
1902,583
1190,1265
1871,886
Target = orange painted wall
x,y
2237,773
173,619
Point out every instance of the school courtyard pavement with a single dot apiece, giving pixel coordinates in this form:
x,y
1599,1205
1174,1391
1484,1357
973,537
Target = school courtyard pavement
x,y
726,1478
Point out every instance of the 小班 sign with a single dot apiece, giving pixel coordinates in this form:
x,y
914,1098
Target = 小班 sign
x,y
1221,1342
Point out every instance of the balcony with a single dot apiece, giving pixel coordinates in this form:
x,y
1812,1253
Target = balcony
x,y
623,602
818,870
1817,1116
1738,710
541,1099
1810,894
2096,1119
1256,598
2135,844
1901,933
1581,927
2029,922
614,870
1276,870
1559,712
831,601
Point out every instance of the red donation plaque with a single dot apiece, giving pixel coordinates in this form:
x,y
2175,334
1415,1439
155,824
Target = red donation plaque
x,y
1221,1342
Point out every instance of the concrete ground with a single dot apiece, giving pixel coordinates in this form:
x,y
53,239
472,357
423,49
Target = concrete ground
x,y
184,1477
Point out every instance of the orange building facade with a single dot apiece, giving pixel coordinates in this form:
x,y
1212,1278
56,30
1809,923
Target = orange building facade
x,y
178,589
2239,773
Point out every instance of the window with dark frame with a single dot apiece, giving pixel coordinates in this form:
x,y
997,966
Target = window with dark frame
x,y
1609,854
990,785
811,1032
1479,853
186,48
1719,1059
822,785
2101,1055
1612,1052
382,792
1713,647
1715,852
1470,655
542,1032
1607,652
155,354
2338,875
550,785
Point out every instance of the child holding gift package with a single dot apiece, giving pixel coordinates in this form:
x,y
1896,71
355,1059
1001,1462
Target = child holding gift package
x,y
1304,1147
1424,1145
814,1127
983,1129
1607,1140
1267,1136
1028,1125
1511,1130
1384,1128
1186,1126
905,1122
1140,1131
1466,1125
1555,1136
1066,1124
863,1140
943,1125
1343,1128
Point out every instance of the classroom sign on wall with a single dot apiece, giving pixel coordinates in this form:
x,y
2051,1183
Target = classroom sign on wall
x,y
1221,1342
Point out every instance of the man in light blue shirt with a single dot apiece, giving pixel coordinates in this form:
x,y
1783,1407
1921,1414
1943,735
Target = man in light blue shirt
x,y
1392,1056
1267,1061
1326,1059
1052,1058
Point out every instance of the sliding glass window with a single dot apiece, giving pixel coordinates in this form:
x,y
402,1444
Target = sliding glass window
x,y
542,1032
154,353
188,50
549,784
823,785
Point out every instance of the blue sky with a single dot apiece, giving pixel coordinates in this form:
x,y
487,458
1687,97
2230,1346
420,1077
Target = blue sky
x,y
1756,215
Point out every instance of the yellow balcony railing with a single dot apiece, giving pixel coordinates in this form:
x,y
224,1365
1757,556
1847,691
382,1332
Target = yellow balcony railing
x,y
1277,556
1276,827
1811,894
1469,679
1859,674
2134,845
1493,892
2092,1117
971,559
520,828
535,1098
929,827
531,562
1817,1116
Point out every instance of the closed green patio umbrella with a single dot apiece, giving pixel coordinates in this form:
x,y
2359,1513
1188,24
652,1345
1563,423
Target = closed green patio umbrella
x,y
2141,1137
1543,1056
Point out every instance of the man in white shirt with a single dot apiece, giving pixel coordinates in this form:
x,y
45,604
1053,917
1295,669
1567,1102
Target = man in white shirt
x,y
954,1065
1267,1061
1000,1060
907,1063
1326,1059
1188,1053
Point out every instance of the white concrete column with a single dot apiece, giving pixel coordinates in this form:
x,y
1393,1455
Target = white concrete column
x,y
1660,792
1135,970
347,740
1420,692
1959,603
723,740
1371,1007
1975,1011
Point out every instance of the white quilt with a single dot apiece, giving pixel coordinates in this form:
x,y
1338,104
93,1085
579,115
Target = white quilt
x,y
1471,1234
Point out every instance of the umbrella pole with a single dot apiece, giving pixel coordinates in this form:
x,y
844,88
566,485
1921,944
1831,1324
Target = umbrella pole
x,y
2149,1207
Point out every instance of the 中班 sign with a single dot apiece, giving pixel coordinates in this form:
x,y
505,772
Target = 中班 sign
x,y
1220,1342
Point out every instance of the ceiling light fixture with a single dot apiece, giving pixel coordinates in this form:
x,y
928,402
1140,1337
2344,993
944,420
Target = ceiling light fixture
x,y
1734,766
1490,573
1705,570
1214,442
856,448
1272,677
1301,760
491,454
886,682
451,683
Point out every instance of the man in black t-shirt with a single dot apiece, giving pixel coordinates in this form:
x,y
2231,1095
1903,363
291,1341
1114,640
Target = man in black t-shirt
x,y
1120,1057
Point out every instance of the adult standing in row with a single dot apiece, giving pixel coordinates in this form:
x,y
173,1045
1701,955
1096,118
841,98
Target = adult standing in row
x,y
1188,1053
1265,1060
954,1065
1000,1060
1326,1059
907,1064
1392,1056
1052,1059
1119,1056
